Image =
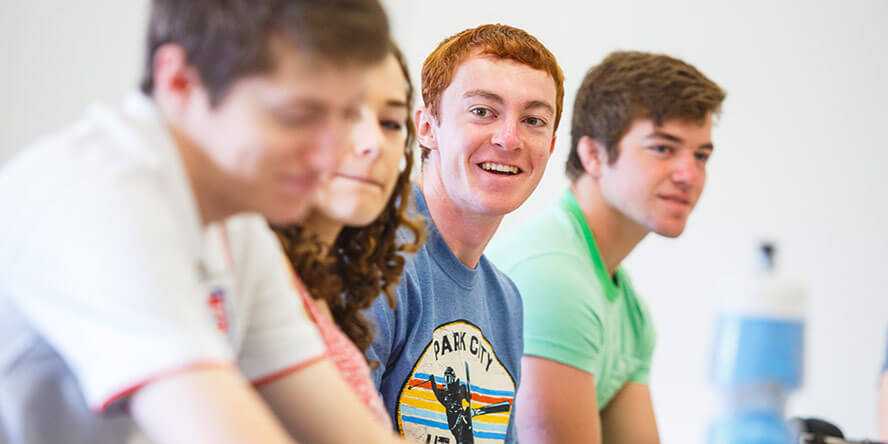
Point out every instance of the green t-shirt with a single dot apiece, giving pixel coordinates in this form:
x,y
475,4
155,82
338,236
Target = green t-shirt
x,y
574,313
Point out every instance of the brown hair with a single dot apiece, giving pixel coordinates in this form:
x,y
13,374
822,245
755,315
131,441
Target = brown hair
x,y
363,261
230,39
501,41
630,85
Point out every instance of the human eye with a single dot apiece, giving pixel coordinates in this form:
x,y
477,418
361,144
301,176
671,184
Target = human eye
x,y
391,124
482,112
703,155
536,122
662,149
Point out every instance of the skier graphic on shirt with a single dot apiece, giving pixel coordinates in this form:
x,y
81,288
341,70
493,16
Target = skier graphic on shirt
x,y
456,397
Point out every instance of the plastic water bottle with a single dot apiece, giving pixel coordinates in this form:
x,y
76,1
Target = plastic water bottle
x,y
758,358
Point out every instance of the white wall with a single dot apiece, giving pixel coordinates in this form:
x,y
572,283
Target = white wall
x,y
799,149
58,56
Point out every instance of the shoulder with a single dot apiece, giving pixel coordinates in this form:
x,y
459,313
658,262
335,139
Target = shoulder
x,y
407,294
558,278
108,159
250,235
497,279
550,232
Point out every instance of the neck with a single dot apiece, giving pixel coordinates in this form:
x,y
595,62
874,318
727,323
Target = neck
x,y
464,232
325,229
615,234
213,202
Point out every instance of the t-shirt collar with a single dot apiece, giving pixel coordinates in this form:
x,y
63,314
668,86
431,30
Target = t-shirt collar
x,y
572,207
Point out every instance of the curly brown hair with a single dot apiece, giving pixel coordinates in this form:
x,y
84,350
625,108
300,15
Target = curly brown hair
x,y
630,85
363,261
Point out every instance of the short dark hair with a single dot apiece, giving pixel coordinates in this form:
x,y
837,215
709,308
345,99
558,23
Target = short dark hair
x,y
226,40
630,85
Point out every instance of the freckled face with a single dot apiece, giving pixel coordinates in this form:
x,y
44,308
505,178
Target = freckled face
x,y
493,135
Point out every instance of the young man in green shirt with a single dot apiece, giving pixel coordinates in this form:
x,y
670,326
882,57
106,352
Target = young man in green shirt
x,y
640,140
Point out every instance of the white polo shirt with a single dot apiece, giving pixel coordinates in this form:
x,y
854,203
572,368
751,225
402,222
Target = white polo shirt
x,y
108,281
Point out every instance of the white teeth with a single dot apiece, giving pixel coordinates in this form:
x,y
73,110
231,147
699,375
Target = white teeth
x,y
500,168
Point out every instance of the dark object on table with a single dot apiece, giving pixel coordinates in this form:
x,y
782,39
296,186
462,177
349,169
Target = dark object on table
x,y
818,431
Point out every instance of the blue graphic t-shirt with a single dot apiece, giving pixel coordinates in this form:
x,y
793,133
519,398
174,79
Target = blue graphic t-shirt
x,y
450,353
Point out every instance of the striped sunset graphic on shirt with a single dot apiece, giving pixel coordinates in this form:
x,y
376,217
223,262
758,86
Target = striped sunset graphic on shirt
x,y
472,395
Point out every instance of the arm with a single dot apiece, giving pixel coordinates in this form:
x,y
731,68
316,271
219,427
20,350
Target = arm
x,y
556,403
212,405
316,406
282,351
629,417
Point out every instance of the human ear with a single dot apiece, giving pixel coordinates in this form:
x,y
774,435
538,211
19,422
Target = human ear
x,y
592,154
425,133
174,80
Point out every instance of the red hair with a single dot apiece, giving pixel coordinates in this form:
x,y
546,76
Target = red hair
x,y
501,41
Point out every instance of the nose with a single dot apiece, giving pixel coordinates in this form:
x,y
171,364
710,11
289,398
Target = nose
x,y
366,136
506,136
688,172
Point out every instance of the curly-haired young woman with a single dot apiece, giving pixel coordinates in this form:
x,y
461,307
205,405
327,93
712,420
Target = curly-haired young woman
x,y
349,250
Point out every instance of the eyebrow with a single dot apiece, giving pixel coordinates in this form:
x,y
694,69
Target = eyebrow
x,y
483,94
676,139
396,103
498,99
540,104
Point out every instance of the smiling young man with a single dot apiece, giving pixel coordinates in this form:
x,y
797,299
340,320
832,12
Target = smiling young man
x,y
449,353
141,290
640,138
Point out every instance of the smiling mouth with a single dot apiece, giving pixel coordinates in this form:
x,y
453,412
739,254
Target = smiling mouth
x,y
500,168
360,179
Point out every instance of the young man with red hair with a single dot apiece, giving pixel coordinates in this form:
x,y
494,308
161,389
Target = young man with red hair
x,y
449,353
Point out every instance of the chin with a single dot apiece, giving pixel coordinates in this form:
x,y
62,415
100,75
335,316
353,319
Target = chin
x,y
670,230
354,216
497,209
497,204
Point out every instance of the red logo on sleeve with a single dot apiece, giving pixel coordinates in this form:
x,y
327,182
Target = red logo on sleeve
x,y
217,307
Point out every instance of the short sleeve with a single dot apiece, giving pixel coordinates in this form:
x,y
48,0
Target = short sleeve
x,y
384,320
561,322
107,273
280,337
